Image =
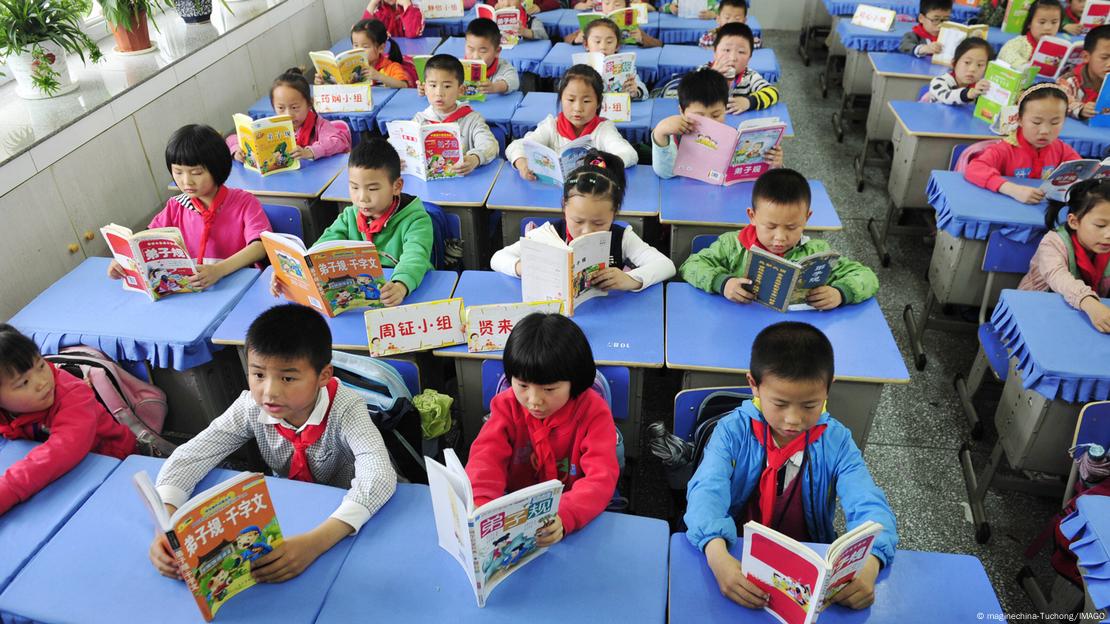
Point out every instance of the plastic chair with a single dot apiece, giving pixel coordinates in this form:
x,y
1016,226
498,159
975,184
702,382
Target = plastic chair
x,y
409,373
1093,427
701,241
528,223
686,404
284,219
617,376
921,93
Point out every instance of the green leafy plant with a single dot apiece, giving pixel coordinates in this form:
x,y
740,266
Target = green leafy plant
x,y
119,13
26,24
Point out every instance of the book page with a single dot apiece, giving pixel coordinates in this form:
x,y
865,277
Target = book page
x,y
414,327
347,278
452,521
591,254
749,158
706,151
488,326
545,273
692,9
573,154
354,66
790,572
950,36
442,149
118,239
326,66
405,137
1065,176
847,556
543,161
506,532
153,501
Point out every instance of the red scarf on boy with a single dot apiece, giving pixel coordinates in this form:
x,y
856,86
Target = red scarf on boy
x,y
369,228
920,31
304,135
776,459
306,437
1089,95
208,213
748,238
459,113
1091,270
567,130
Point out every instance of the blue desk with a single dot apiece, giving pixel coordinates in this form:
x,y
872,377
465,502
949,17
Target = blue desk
x,y
357,122
904,591
863,39
1089,527
615,569
28,525
551,20
496,109
665,107
448,26
674,29
568,23
846,8
558,61
536,106
968,211
524,56
100,557
715,349
409,46
676,60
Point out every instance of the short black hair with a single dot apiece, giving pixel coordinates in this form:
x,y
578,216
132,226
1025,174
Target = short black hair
x,y
291,331
18,353
376,153
447,63
781,187
734,29
600,175
702,86
972,43
549,348
601,23
934,5
197,144
486,29
586,74
1082,197
736,4
1038,5
1098,33
794,351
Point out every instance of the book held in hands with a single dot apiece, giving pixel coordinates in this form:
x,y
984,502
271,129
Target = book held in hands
x,y
551,167
510,21
1055,56
1095,14
1070,173
554,270
783,284
627,20
332,277
950,36
155,262
719,154
1005,85
428,151
267,143
615,69
349,67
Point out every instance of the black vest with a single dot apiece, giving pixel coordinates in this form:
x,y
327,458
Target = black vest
x,y
616,240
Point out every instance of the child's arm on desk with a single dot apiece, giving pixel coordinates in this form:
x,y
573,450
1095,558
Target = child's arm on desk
x,y
414,263
208,274
289,558
714,268
986,171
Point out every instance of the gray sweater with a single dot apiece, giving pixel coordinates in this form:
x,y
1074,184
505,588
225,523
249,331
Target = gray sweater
x,y
476,136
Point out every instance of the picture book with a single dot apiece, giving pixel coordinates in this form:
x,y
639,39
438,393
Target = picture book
x,y
434,9
800,582
874,17
626,19
268,143
553,270
615,69
616,107
1055,56
783,284
1006,83
510,21
719,154
332,277
1067,174
492,541
551,167
349,67
1014,18
692,9
354,98
1095,14
155,262
951,35
1102,108
474,75
420,61
414,327
488,326
428,151
217,535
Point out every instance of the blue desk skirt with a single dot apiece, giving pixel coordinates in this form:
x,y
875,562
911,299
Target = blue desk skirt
x,y
847,8
496,109
676,60
568,23
524,56
675,29
558,61
1089,528
968,211
536,106
863,39
357,122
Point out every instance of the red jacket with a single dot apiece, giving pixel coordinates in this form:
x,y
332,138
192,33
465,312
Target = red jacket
x,y
1015,157
75,425
584,440
406,23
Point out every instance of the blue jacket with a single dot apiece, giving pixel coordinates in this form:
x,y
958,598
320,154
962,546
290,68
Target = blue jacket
x,y
730,470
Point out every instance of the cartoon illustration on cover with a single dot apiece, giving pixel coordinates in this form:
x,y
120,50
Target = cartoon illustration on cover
x,y
167,282
793,589
581,279
289,264
251,544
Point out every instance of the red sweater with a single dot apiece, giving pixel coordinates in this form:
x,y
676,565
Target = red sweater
x,y
584,441
1015,157
398,23
75,425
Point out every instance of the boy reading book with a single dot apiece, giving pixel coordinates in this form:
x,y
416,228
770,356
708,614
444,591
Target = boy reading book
x,y
747,89
1084,82
308,427
922,39
728,12
443,78
778,459
483,43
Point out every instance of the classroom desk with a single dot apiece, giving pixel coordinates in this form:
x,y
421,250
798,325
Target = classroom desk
x,y
558,61
448,26
624,329
858,41
676,60
551,20
537,105
96,569
357,122
410,46
463,196
665,107
524,56
905,591
721,209
27,526
1089,528
674,29
614,567
846,8
568,23
518,199
497,110
715,349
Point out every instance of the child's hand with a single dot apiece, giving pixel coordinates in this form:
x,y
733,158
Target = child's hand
x,y
420,88
975,90
550,533
583,6
738,104
773,157
1024,194
824,297
860,592
319,79
393,293
629,86
287,560
1088,111
162,557
671,126
933,47
734,290
404,4
578,39
521,165
637,35
115,270
466,165
375,76
239,155
730,577
372,7
277,287
612,278
1072,29
303,153
207,275
707,14
526,33
1097,312
518,273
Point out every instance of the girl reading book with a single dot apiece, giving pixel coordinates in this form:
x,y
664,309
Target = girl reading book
x,y
402,18
386,67
964,84
1043,20
603,36
608,6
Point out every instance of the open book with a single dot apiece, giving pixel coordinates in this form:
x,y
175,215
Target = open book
x,y
554,270
784,284
615,69
1068,174
1014,18
800,582
1055,56
217,535
332,277
510,21
719,154
350,67
268,143
1006,84
950,36
155,262
551,167
428,151
626,19
691,9
1102,108
1095,14
492,541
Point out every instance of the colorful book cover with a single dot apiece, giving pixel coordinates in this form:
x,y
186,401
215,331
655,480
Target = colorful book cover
x,y
1095,14
1102,108
1067,174
488,326
414,327
155,262
348,67
551,167
1014,17
782,284
1006,83
420,61
428,151
510,21
615,69
268,143
1054,56
719,154
474,75
332,277
626,19
354,98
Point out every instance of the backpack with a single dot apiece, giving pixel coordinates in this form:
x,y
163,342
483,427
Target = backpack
x,y
134,403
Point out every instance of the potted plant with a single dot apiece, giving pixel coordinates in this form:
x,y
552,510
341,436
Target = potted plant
x,y
127,21
36,35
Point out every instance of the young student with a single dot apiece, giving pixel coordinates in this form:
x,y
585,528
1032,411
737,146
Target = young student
x,y
1043,21
592,197
604,36
778,216
593,5
402,18
386,68
728,12
1083,83
1073,258
608,6
1073,13
316,137
307,425
1032,151
531,26
701,92
41,402
922,39
992,12
965,82
443,78
222,226
550,424
732,51
580,91
777,459
483,43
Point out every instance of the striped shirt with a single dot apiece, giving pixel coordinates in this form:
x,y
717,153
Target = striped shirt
x,y
753,86
946,90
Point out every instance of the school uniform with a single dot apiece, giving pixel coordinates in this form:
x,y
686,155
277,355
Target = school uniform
x,y
216,232
398,22
475,134
1018,52
915,40
944,89
317,134
555,132
1057,267
1015,157
1081,88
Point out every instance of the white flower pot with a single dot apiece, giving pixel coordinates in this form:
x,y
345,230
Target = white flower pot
x,y
22,67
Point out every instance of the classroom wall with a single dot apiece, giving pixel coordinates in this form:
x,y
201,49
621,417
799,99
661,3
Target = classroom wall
x,y
780,14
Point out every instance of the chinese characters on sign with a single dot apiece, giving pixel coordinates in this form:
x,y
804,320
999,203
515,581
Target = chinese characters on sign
x,y
873,17
353,98
414,327
488,327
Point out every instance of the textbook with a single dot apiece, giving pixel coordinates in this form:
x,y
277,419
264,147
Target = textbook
x,y
626,19
551,167
427,150
1055,56
268,143
155,262
615,69
783,284
1006,83
951,35
217,535
691,9
474,74
350,67
554,270
1067,174
414,327
492,541
420,61
1014,18
800,582
1102,108
1095,14
719,154
332,277
488,326
510,21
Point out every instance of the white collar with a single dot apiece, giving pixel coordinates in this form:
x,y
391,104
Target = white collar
x,y
316,417
796,458
431,113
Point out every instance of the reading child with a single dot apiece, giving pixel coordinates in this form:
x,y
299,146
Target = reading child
x,y
222,226
608,6
1073,258
728,12
307,425
483,43
922,39
1083,83
592,197
316,137
1073,14
778,216
550,424
41,402
580,91
402,18
443,79
778,459
604,36
701,92
1043,20
386,68
732,51
965,82
1032,151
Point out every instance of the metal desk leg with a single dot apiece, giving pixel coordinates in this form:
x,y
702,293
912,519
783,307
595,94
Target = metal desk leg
x,y
966,389
631,426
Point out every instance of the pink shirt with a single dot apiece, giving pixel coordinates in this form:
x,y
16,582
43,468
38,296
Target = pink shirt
x,y
329,138
239,222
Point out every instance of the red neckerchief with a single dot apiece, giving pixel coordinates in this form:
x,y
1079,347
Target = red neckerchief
x,y
1031,40
567,130
370,228
1036,171
539,432
1090,270
920,31
459,113
208,213
736,79
776,459
492,69
1089,95
748,238
304,135
1071,14
298,465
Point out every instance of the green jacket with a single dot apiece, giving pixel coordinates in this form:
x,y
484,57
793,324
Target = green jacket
x,y
404,244
711,267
